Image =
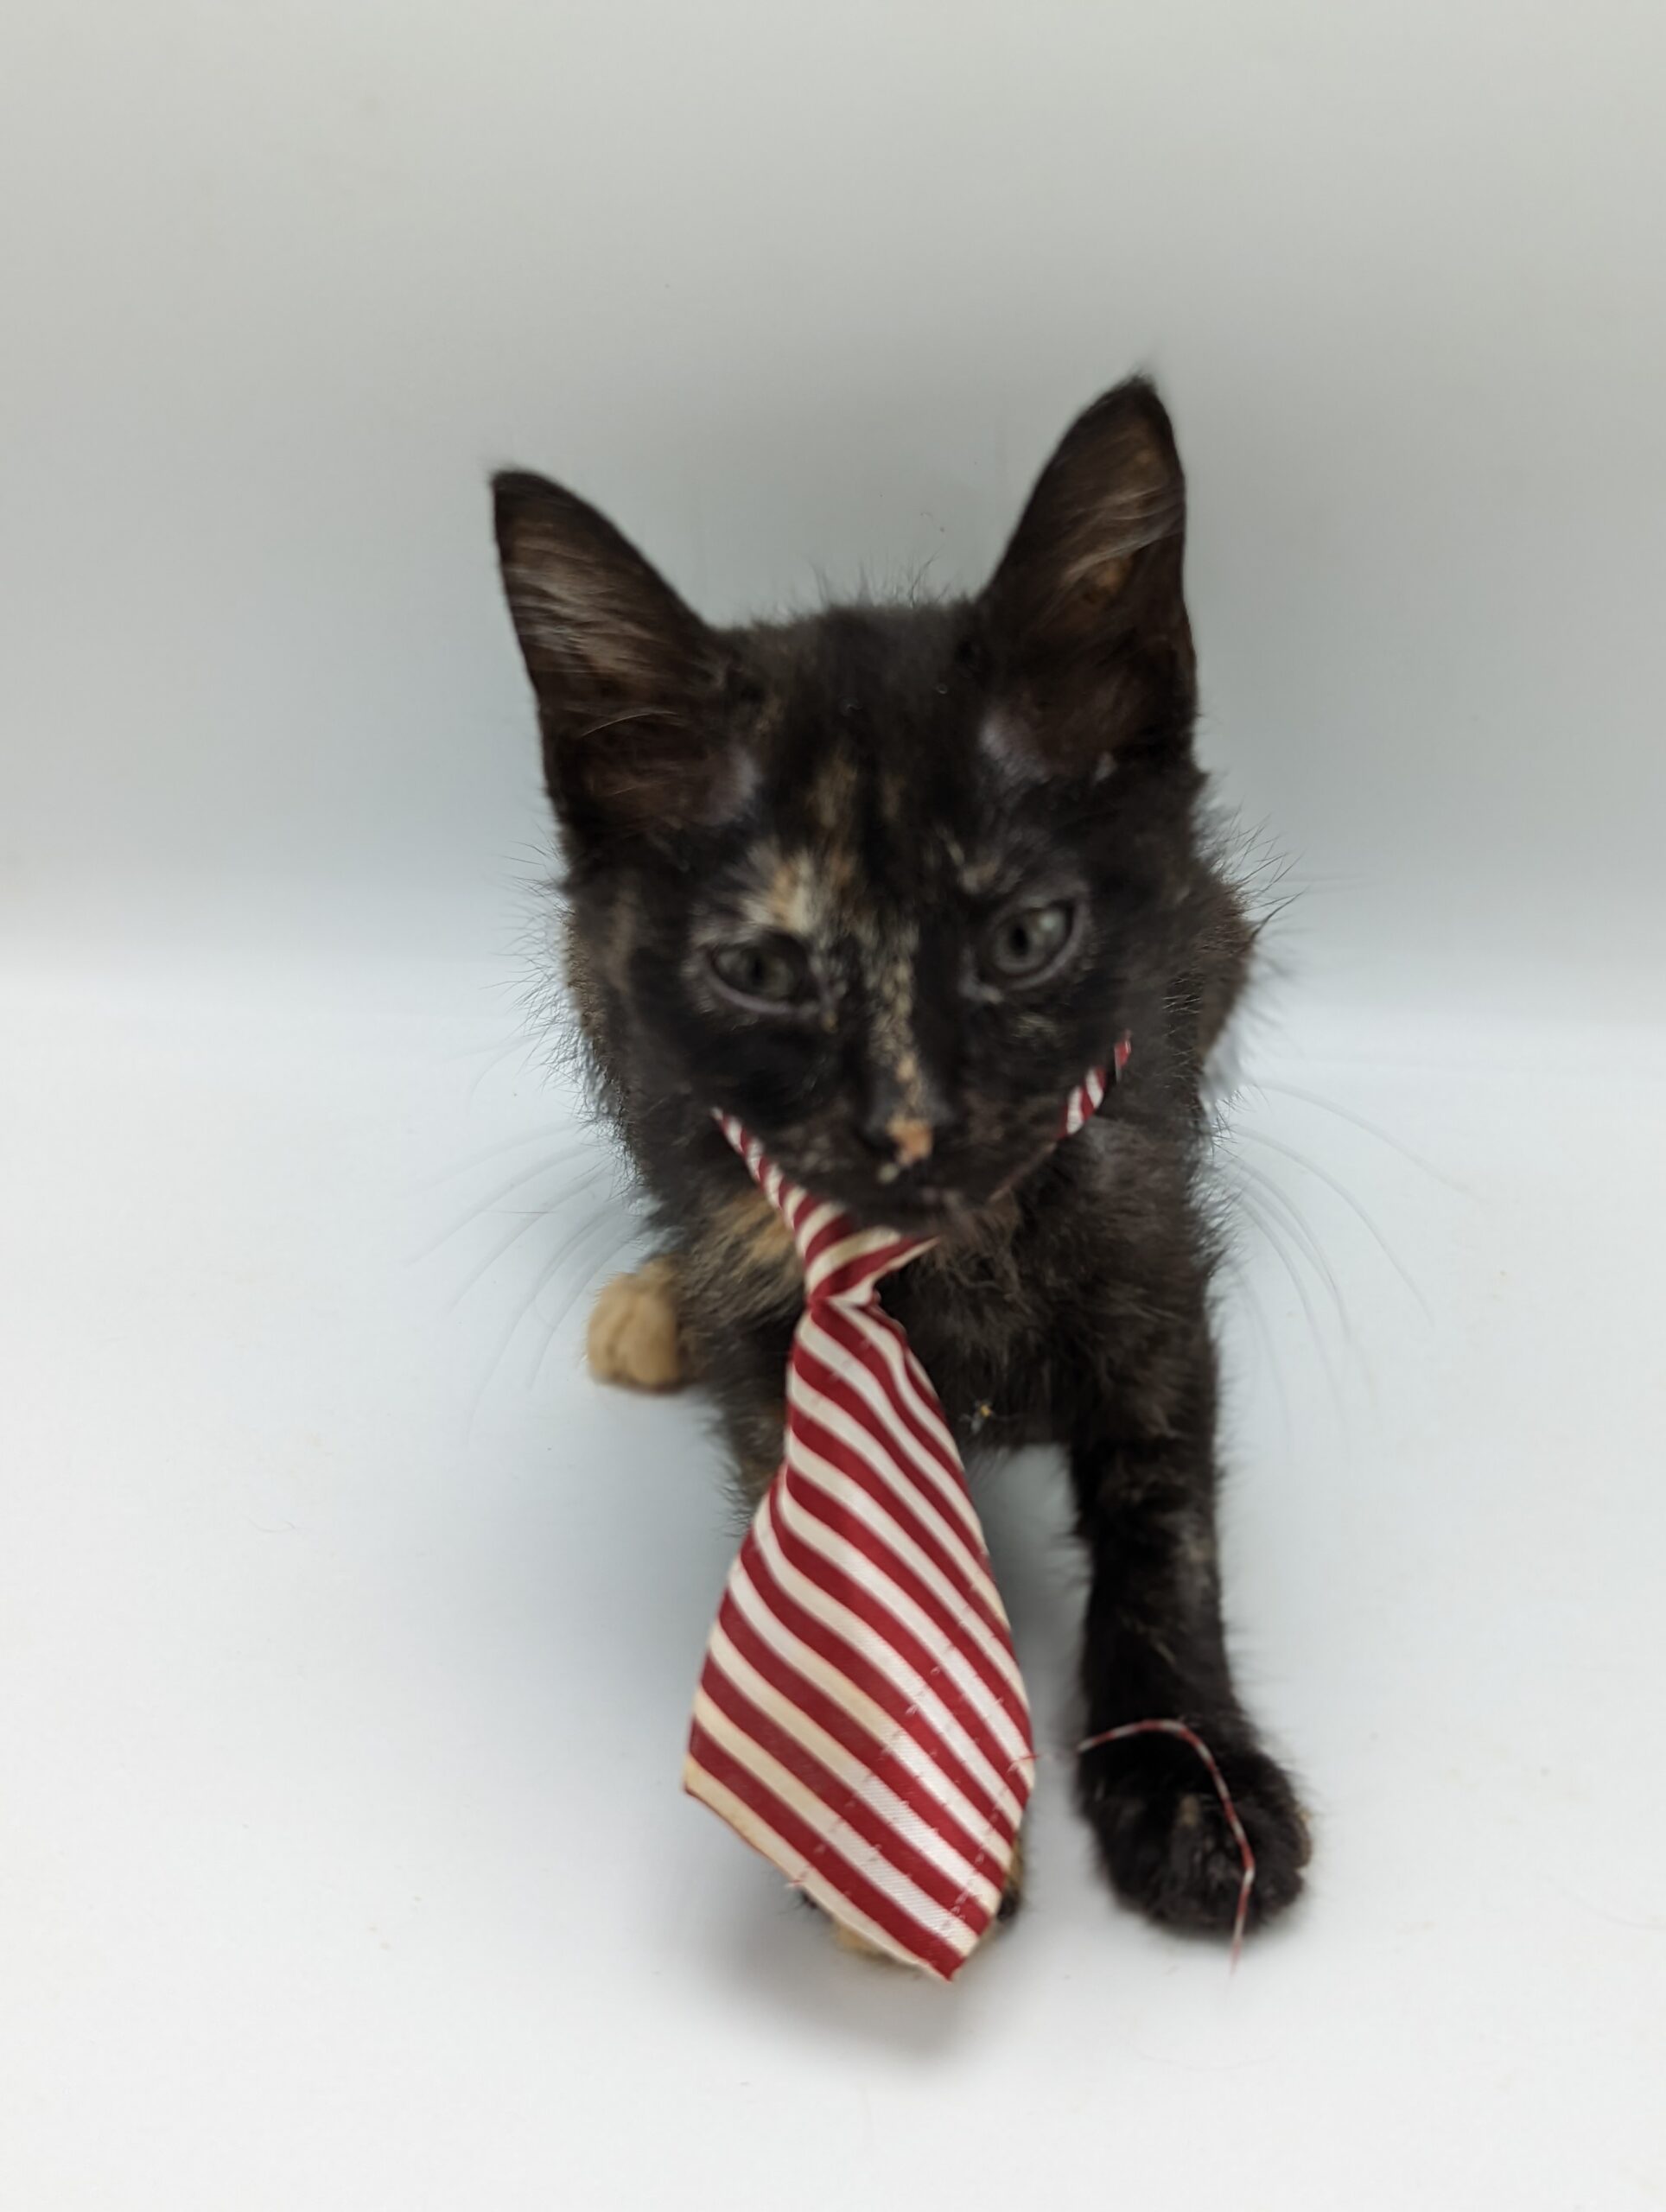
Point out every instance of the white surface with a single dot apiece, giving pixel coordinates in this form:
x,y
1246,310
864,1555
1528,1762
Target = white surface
x,y
345,1637
349,1633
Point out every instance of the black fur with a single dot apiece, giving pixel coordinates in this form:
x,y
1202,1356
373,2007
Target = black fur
x,y
868,791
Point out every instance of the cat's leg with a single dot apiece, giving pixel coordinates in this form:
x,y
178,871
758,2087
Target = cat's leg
x,y
636,1335
1154,1649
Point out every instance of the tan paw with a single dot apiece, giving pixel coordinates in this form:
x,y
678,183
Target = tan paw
x,y
849,1940
635,1335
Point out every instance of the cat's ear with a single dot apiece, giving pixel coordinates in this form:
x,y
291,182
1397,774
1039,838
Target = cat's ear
x,y
631,685
1083,622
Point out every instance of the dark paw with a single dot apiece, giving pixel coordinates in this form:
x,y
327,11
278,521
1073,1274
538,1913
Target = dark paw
x,y
1163,1835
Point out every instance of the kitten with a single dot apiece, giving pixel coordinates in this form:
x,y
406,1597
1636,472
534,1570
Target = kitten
x,y
883,882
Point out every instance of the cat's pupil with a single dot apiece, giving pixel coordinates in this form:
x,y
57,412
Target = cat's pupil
x,y
1028,941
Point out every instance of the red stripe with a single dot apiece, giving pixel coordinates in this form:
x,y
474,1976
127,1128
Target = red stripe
x,y
855,1666
801,1485
846,1332
855,1273
836,1225
870,1608
865,1896
909,1495
884,1759
875,1829
891,1421
796,1203
972,1722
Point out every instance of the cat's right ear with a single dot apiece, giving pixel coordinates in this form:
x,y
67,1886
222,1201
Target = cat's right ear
x,y
631,686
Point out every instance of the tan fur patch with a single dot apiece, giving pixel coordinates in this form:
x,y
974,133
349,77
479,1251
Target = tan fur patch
x,y
739,1263
788,900
859,1947
833,796
635,1335
756,1232
912,1140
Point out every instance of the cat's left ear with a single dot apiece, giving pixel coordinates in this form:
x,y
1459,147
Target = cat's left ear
x,y
1083,624
633,687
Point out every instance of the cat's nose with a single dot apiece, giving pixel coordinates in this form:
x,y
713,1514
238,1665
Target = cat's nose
x,y
905,1138
902,1129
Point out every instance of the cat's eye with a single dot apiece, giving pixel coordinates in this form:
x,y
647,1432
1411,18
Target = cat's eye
x,y
763,971
1026,942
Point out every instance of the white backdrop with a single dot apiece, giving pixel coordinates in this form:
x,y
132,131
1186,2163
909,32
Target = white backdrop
x,y
799,292
304,1544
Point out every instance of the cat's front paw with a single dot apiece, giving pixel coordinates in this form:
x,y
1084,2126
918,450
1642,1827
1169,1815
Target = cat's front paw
x,y
1163,1835
636,1333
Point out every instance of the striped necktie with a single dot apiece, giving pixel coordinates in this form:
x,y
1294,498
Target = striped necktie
x,y
861,1720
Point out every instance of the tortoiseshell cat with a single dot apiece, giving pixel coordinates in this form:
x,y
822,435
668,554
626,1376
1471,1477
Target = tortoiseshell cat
x,y
883,882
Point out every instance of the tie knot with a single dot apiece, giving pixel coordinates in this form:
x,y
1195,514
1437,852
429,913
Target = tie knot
x,y
841,1259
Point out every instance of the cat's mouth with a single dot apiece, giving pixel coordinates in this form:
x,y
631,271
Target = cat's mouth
x,y
930,1205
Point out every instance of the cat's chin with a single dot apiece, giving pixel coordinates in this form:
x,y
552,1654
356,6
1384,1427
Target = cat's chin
x,y
943,1211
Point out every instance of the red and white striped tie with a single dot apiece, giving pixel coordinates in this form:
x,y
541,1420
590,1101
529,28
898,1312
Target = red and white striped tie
x,y
861,1720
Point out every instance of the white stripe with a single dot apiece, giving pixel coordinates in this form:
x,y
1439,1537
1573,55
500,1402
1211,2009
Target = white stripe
x,y
945,1489
851,1698
753,1828
847,1498
912,1387
813,1223
858,1245
951,1490
832,1416
836,1834
1095,1088
880,1655
849,1495
858,1778
950,1660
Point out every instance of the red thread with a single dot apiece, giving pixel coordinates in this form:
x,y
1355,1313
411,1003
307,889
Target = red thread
x,y
1185,1735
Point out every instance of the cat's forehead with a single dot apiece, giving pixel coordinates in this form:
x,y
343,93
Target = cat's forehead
x,y
872,723
880,791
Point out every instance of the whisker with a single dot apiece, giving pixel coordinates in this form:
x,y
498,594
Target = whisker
x,y
1359,1121
1258,1314
527,1304
538,1214
526,1048
600,1267
1300,1289
544,1354
1290,1213
481,1158
1255,1137
515,1183
475,1051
